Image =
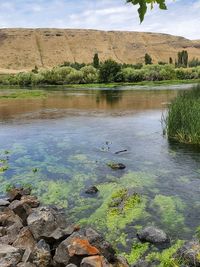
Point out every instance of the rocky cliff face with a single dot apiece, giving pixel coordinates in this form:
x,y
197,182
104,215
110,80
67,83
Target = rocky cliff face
x,y
22,49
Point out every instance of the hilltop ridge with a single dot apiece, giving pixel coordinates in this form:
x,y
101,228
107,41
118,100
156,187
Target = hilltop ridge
x,y
22,49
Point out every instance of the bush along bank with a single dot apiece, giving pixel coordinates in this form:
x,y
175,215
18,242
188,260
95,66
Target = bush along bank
x,y
107,72
39,236
182,122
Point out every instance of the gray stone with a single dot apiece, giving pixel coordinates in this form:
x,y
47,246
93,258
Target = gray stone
x,y
92,190
21,209
94,261
45,222
4,202
153,235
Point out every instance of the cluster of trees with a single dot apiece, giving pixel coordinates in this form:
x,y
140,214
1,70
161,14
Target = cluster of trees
x,y
106,72
194,63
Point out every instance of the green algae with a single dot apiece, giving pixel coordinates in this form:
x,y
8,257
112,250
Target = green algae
x,y
3,168
56,193
197,233
170,209
22,94
137,252
184,179
129,208
166,257
138,179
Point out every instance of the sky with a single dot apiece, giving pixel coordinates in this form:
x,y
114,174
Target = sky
x,y
182,17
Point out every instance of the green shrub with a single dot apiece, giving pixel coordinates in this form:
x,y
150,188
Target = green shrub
x,y
133,75
75,77
90,74
109,70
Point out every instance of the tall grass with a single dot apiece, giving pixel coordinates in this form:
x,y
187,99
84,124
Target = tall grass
x,y
183,118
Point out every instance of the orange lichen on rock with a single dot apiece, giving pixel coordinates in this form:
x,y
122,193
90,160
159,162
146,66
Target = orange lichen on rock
x,y
81,247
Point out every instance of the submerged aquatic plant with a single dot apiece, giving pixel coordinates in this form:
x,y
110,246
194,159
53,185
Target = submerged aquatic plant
x,y
118,209
166,257
170,210
3,168
137,252
182,122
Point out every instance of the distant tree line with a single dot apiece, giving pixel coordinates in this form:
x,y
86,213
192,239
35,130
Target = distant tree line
x,y
108,71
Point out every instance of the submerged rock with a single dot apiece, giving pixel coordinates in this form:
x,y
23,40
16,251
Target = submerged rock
x,y
92,190
116,166
153,235
189,253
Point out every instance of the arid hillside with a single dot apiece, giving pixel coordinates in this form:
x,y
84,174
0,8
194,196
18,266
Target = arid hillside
x,y
22,49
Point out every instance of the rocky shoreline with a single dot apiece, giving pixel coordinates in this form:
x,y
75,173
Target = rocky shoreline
x,y
32,235
38,236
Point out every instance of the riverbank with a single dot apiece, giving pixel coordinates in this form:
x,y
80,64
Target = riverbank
x,y
40,236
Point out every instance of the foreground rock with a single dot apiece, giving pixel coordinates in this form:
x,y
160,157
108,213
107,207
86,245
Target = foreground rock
x,y
153,235
32,236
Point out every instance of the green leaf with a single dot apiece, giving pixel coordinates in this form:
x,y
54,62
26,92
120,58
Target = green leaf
x,y
143,6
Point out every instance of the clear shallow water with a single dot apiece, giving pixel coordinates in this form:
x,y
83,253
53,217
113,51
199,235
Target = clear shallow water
x,y
62,144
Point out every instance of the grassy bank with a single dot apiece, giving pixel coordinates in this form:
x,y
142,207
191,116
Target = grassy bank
x,y
101,85
144,83
182,122
22,94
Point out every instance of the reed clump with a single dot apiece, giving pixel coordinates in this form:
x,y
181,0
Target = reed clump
x,y
183,119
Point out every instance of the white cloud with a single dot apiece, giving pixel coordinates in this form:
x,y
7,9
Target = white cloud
x,y
181,18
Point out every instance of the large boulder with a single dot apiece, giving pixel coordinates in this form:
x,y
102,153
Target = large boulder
x,y
74,249
153,235
46,223
189,253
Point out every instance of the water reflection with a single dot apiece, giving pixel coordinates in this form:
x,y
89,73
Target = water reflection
x,y
62,102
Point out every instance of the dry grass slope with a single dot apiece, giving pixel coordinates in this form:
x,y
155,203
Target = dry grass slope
x,y
22,49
